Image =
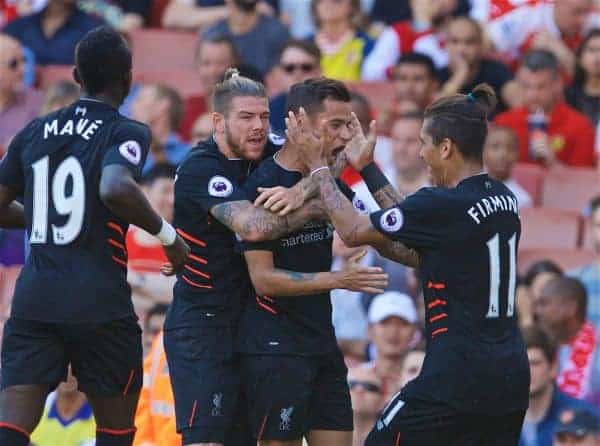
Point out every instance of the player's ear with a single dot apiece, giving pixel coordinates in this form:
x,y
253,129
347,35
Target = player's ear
x,y
218,121
446,148
76,76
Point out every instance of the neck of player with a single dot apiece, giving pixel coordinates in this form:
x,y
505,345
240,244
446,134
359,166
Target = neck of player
x,y
457,172
290,159
109,98
539,404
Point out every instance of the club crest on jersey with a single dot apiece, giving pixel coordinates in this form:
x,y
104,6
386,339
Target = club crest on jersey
x,y
286,418
131,151
219,186
391,220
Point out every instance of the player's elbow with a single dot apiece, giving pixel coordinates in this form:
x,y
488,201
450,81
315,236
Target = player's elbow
x,y
251,234
350,240
112,193
261,284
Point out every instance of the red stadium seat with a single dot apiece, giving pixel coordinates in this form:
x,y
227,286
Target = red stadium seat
x,y
160,49
566,258
550,228
531,178
185,81
570,188
379,94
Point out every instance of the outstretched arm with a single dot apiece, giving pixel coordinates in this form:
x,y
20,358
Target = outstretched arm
x,y
284,200
271,281
256,224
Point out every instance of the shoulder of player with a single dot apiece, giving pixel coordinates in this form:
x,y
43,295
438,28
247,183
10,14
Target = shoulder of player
x,y
200,161
267,174
139,129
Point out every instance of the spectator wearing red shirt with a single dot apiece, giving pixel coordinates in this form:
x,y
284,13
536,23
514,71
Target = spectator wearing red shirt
x,y
213,57
145,254
564,135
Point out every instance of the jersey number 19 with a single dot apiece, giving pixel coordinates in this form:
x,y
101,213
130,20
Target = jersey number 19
x,y
493,245
72,205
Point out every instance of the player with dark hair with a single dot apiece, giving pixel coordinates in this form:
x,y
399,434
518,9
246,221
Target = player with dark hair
x,y
76,169
211,209
293,372
473,388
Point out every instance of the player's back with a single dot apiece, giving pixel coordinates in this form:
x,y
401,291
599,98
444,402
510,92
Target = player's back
x,y
77,267
467,238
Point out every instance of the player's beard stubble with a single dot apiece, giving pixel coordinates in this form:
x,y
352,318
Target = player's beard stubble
x,y
235,144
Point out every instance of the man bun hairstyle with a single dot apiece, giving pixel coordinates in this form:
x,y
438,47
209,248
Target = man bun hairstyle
x,y
235,85
462,118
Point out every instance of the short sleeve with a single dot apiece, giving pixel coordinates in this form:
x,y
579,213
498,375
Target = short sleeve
x,y
206,183
11,168
419,221
129,147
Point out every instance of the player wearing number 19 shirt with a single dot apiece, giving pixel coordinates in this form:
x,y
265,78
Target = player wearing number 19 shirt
x,y
75,169
473,387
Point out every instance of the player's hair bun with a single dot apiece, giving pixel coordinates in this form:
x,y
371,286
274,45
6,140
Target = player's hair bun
x,y
231,73
485,96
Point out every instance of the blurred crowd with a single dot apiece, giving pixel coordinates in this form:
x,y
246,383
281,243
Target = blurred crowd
x,y
542,58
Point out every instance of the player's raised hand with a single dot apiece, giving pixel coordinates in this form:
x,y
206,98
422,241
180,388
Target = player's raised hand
x,y
302,135
360,150
178,254
366,279
279,199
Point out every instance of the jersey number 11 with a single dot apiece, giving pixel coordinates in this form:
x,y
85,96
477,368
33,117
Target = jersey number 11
x,y
493,245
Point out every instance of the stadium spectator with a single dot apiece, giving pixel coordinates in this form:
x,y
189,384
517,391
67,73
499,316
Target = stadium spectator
x,y
557,27
549,130
584,93
155,415
18,104
530,288
297,14
213,57
67,418
160,107
258,38
202,129
124,15
561,310
145,253
579,427
366,391
412,365
392,317
469,67
53,32
500,153
423,34
408,173
343,46
546,401
589,275
415,79
60,95
153,324
299,60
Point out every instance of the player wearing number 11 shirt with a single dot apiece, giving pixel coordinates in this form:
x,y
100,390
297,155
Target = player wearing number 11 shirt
x,y
76,169
473,387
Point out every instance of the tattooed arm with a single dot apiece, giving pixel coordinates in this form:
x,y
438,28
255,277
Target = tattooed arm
x,y
384,193
256,224
356,229
271,281
284,200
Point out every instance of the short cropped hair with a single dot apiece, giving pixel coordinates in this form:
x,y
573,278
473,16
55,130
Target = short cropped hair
x,y
311,94
535,337
541,60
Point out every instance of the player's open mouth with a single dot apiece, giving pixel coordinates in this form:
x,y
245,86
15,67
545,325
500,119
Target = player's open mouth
x,y
335,152
257,140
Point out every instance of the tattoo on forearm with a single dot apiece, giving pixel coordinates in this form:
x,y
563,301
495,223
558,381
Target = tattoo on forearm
x,y
400,253
299,277
260,222
387,197
332,197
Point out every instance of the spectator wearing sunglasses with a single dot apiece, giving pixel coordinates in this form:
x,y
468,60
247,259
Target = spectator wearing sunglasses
x,y
366,392
18,104
578,428
299,61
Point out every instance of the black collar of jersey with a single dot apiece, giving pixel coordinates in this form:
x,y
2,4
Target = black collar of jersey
x,y
482,176
94,103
